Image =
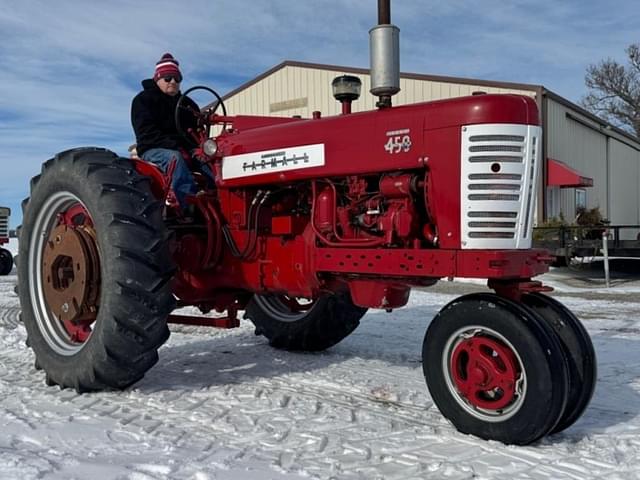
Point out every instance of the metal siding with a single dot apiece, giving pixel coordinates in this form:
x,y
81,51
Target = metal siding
x,y
581,148
624,171
253,100
294,82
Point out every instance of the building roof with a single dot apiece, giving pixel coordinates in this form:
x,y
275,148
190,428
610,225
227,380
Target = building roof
x,y
365,71
602,125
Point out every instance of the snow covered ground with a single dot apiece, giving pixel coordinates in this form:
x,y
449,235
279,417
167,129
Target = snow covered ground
x,y
224,405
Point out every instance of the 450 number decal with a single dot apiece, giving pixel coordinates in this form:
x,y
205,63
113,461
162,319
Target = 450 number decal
x,y
398,141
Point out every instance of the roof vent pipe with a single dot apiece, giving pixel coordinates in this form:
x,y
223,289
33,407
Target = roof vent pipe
x,y
384,48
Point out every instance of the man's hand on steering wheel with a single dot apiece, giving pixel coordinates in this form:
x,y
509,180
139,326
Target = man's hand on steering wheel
x,y
197,136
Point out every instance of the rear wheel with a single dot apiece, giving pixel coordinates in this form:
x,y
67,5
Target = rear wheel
x,y
578,349
95,271
296,324
6,261
495,369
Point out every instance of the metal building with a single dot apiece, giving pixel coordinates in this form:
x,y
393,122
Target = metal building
x,y
588,162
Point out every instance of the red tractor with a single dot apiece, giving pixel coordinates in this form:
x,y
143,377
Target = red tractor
x,y
6,259
312,222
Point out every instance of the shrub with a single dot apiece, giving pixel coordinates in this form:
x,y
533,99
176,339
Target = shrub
x,y
550,228
590,218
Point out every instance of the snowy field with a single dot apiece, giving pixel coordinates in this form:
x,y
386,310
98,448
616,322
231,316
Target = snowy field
x,y
224,405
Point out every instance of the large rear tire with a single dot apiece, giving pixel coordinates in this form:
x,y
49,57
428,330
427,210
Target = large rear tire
x,y
95,271
6,261
495,369
290,324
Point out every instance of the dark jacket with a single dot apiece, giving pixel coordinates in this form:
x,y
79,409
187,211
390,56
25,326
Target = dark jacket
x,y
153,119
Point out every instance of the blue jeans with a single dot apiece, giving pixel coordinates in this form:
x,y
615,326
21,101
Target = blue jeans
x,y
182,181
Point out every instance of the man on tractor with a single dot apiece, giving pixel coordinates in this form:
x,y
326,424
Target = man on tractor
x,y
158,138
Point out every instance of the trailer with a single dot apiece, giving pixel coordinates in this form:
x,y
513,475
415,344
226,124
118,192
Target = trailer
x,y
568,242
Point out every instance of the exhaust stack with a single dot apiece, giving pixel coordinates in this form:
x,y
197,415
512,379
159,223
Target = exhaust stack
x,y
384,48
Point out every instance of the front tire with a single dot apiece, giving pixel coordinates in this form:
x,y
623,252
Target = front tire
x,y
289,324
95,271
6,261
578,350
495,369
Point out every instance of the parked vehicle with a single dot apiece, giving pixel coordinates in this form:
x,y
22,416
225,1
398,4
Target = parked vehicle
x,y
6,259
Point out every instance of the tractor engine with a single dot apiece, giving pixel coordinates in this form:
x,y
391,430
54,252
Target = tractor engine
x,y
367,211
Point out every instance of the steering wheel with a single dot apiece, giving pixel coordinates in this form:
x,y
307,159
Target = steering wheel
x,y
202,117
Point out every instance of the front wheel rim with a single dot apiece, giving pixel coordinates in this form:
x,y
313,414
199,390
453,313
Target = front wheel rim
x,y
484,373
64,273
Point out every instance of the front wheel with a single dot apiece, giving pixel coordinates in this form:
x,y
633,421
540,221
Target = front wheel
x,y
295,324
578,350
6,261
495,369
94,272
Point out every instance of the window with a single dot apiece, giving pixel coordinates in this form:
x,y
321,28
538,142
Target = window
x,y
581,198
553,202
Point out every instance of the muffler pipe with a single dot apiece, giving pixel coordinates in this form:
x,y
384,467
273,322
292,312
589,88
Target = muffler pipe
x,y
384,48
384,12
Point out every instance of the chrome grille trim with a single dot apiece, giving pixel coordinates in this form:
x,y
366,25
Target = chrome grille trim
x,y
495,176
498,189
494,186
496,138
495,158
493,214
4,226
492,224
493,196
492,235
495,148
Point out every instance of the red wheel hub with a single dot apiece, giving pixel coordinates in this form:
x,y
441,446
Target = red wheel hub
x,y
486,372
71,277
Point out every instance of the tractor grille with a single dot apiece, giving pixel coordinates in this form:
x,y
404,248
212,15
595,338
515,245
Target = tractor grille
x,y
4,223
500,167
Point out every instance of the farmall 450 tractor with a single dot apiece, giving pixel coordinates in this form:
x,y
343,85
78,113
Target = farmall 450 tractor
x,y
312,222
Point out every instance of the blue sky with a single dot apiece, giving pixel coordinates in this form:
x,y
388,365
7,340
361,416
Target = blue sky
x,y
68,69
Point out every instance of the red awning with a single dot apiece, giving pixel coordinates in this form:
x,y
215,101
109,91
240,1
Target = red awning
x,y
561,175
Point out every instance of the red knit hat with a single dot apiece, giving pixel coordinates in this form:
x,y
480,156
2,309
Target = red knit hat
x,y
167,65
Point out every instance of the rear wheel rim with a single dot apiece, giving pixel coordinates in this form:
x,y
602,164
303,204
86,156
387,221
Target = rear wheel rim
x,y
484,373
64,273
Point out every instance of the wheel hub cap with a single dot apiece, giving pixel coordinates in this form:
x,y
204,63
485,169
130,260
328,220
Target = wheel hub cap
x,y
485,372
71,284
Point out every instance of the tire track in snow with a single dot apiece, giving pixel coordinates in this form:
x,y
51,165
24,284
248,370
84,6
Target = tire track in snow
x,y
330,415
299,425
10,317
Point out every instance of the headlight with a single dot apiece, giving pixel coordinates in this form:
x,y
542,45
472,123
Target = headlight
x,y
210,147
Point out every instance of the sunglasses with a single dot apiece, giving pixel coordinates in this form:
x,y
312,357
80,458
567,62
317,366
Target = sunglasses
x,y
168,78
